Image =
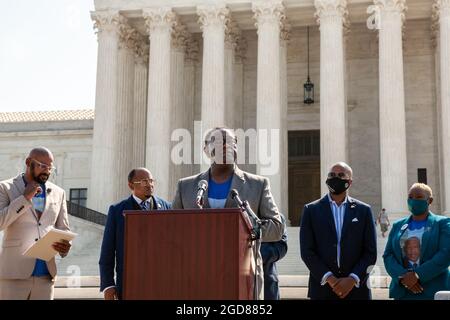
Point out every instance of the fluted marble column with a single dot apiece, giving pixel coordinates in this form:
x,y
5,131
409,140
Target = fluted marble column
x,y
123,138
331,15
231,37
140,104
269,15
238,89
178,114
394,179
443,11
284,160
213,20
101,194
159,24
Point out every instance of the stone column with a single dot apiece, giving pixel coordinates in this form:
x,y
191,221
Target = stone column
x,y
178,115
231,36
269,15
190,71
284,160
238,90
394,179
442,8
101,193
213,20
123,138
140,104
331,16
159,24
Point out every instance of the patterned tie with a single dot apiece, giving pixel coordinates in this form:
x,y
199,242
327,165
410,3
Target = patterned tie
x,y
144,205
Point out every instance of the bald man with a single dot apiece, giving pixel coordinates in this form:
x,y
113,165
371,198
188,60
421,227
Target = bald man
x,y
30,206
338,241
142,188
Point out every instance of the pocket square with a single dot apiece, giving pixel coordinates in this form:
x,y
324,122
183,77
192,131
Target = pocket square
x,y
355,220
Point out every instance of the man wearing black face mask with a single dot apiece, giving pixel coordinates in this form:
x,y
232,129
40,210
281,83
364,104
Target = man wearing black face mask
x,y
338,241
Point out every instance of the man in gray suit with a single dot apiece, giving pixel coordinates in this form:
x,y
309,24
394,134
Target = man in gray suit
x,y
224,176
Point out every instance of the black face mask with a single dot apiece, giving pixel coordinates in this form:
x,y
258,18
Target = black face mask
x,y
337,185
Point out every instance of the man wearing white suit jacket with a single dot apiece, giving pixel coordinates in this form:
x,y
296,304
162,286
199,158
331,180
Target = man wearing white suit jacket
x,y
30,206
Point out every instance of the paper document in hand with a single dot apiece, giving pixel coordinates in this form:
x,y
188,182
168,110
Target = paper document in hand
x,y
43,249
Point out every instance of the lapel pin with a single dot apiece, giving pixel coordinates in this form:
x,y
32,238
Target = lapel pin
x,y
159,205
355,220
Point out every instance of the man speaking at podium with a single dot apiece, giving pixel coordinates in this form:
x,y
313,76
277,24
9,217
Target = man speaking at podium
x,y
224,176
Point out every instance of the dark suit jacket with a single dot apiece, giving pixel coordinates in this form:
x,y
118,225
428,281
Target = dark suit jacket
x,y
318,245
112,250
271,252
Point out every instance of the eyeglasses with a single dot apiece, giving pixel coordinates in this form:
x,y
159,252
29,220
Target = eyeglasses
x,y
44,166
145,182
341,175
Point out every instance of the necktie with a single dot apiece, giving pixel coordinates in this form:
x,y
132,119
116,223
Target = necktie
x,y
414,266
144,205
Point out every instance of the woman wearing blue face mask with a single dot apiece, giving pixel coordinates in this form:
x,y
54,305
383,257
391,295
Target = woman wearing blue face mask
x,y
417,254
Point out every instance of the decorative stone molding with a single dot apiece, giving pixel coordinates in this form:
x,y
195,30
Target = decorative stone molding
x,y
268,11
159,18
192,49
331,8
108,20
285,32
232,34
213,15
241,49
179,36
439,8
391,6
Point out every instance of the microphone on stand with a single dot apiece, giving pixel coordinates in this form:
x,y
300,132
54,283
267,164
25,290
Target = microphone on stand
x,y
201,188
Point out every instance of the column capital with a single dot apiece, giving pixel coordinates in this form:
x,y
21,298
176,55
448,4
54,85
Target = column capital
x,y
107,20
128,37
232,34
331,8
159,18
392,5
180,35
214,14
192,49
268,11
241,49
285,31
142,53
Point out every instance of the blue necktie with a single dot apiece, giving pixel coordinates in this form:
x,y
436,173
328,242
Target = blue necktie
x,y
144,205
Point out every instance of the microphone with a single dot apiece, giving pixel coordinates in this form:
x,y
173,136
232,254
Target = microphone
x,y
201,188
245,206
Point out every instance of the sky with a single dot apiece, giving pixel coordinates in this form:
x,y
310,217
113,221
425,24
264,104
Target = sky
x,y
48,55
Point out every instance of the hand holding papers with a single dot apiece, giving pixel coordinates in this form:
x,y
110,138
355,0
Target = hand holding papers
x,y
44,249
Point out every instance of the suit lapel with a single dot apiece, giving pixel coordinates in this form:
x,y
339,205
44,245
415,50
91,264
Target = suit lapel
x,y
328,215
237,183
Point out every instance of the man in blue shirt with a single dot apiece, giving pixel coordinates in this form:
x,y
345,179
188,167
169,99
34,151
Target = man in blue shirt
x,y
30,206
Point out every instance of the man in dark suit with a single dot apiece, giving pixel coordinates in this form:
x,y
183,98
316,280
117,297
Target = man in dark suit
x,y
338,241
272,252
141,183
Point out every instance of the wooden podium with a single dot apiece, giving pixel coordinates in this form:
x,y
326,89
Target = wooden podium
x,y
188,255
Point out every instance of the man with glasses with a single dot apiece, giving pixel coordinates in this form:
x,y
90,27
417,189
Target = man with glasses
x,y
142,186
338,241
222,177
30,206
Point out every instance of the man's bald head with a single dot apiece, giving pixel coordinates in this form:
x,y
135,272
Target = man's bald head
x,y
40,152
343,167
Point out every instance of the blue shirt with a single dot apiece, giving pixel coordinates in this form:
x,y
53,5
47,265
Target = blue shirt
x,y
338,217
40,267
218,193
